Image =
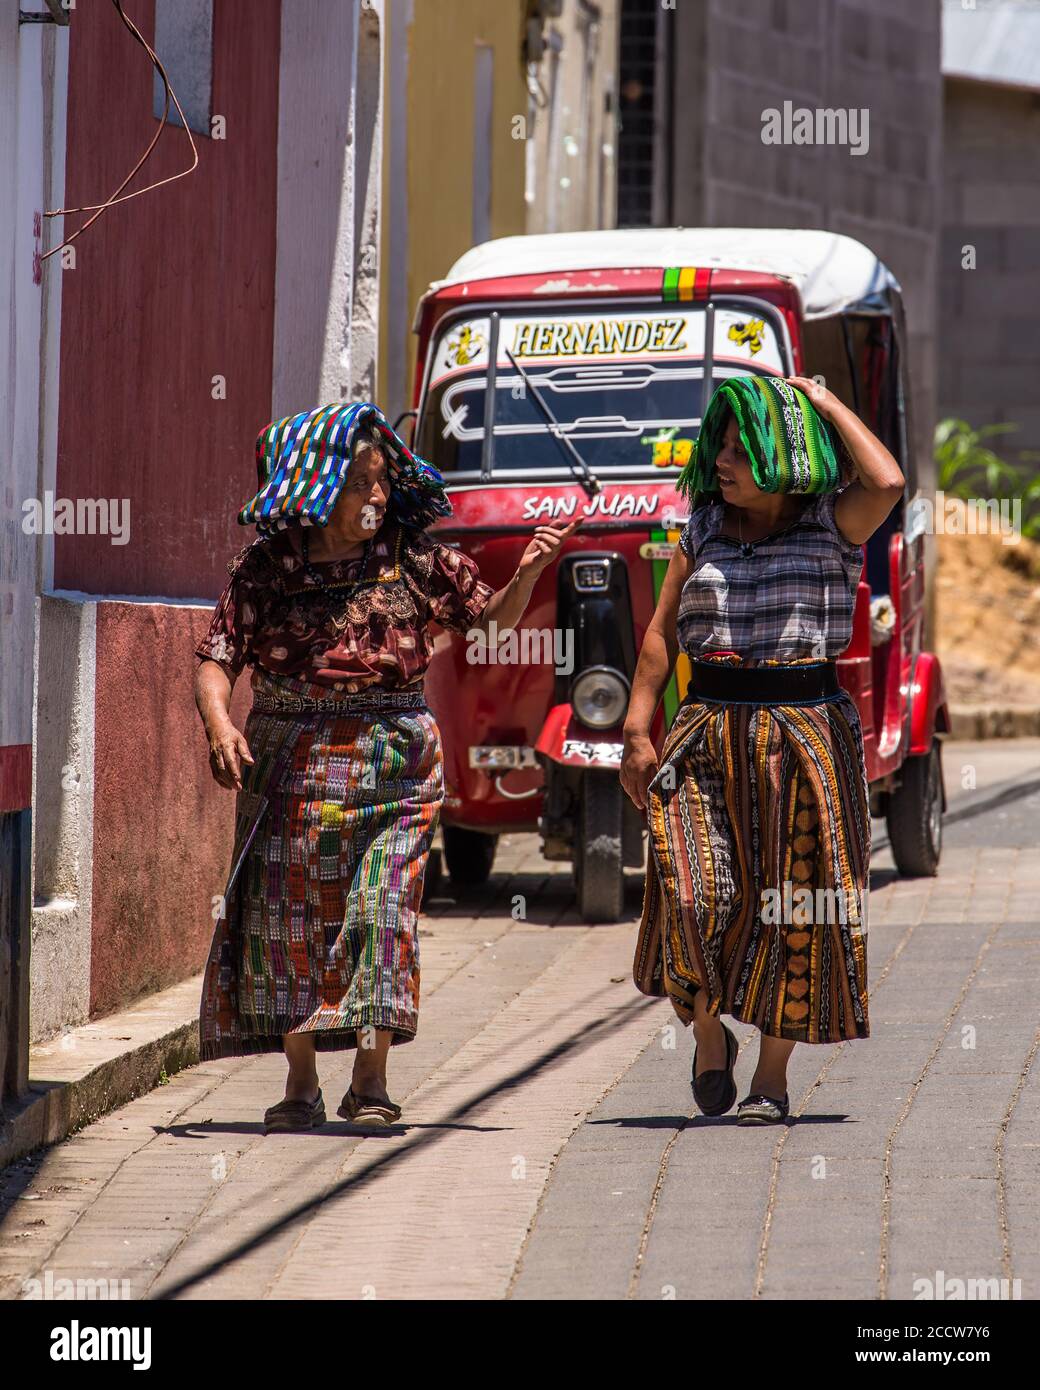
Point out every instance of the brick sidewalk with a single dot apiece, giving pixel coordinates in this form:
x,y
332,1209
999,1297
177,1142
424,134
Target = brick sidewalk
x,y
552,1149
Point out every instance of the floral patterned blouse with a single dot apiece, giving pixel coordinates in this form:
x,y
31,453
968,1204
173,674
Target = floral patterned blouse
x,y
371,627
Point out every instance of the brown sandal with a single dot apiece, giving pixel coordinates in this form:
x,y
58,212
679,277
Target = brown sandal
x,y
294,1116
367,1110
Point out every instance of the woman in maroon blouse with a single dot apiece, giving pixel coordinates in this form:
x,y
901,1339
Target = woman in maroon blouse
x,y
339,768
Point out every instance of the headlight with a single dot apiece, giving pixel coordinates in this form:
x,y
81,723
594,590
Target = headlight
x,y
599,697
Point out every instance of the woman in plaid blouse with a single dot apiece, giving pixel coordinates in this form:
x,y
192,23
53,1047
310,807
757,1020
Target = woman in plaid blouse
x,y
758,807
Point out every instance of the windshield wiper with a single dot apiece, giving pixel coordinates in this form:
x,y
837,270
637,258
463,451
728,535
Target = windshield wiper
x,y
579,467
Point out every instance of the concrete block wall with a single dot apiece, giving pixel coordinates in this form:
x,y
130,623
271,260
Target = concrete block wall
x,y
735,61
987,316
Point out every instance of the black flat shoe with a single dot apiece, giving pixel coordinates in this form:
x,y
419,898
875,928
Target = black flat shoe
x,y
762,1110
295,1116
715,1091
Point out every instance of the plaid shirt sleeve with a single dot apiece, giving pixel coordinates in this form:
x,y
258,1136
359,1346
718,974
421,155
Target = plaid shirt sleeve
x,y
457,594
693,533
823,512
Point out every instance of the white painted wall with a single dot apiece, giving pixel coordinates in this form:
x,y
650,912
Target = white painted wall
x,y
21,171
33,85
63,816
327,265
399,311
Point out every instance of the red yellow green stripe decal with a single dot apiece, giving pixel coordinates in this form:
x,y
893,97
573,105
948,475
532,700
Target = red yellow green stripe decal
x,y
685,282
680,681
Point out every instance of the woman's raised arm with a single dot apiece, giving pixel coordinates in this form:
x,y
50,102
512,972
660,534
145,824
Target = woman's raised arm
x,y
878,485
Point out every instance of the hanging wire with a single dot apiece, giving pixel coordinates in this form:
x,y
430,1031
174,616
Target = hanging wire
x,y
98,208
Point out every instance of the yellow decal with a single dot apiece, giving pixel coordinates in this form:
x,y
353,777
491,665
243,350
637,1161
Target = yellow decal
x,y
468,345
749,334
669,452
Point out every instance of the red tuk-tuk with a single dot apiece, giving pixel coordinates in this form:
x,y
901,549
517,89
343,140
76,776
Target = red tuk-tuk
x,y
566,375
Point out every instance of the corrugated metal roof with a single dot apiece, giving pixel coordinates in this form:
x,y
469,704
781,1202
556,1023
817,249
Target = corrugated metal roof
x,y
996,42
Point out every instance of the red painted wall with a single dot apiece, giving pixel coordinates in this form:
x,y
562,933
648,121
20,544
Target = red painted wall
x,y
169,290
162,826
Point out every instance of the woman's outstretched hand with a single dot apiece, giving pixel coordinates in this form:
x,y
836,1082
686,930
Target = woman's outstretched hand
x,y
544,547
638,769
506,607
228,752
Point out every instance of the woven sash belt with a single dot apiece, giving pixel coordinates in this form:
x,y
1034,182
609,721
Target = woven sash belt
x,y
375,702
716,682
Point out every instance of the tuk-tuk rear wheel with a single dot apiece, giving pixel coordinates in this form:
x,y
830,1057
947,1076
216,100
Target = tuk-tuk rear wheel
x,y
599,871
914,815
469,855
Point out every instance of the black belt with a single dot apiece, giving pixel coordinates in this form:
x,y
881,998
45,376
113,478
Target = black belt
x,y
719,682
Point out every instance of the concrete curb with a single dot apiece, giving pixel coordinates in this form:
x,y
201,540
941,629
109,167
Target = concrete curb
x,y
87,1071
972,722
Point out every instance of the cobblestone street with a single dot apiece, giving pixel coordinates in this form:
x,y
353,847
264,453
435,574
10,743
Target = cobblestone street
x,y
550,1147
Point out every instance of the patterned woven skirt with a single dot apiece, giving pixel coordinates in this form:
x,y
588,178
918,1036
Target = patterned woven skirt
x,y
334,822
757,873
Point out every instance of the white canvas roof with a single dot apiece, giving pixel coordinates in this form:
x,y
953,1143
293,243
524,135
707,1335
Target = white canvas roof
x,y
831,272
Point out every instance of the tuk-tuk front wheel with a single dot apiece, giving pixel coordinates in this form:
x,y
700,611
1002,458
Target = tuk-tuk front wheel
x,y
599,871
469,855
914,815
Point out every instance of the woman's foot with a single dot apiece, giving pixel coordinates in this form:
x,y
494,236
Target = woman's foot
x,y
369,1074
370,1084
294,1116
770,1078
368,1111
710,1052
714,1089
302,1082
768,1084
760,1109
306,1091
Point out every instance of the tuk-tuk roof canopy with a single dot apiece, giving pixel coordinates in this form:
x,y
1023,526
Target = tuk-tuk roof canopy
x,y
832,273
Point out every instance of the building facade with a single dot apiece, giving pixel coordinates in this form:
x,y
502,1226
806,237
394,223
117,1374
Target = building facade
x,y
500,119
989,276
695,83
147,356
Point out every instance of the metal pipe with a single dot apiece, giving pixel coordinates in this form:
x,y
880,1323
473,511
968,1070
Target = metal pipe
x,y
487,455
709,358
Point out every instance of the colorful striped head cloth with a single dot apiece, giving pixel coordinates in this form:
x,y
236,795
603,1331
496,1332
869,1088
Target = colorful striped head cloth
x,y
302,462
790,447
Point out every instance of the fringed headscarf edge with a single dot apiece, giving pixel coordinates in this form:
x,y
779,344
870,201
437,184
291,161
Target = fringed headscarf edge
x,y
302,462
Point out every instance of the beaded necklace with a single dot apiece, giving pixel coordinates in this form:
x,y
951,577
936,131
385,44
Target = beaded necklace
x,y
316,578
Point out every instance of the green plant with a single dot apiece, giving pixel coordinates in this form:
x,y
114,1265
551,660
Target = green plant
x,y
963,462
967,468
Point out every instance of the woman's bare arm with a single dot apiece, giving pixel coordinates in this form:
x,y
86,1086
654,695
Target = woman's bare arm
x,y
654,668
507,605
228,749
879,481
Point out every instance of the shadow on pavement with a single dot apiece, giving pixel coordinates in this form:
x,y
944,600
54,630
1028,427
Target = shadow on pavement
x,y
335,1128
573,1044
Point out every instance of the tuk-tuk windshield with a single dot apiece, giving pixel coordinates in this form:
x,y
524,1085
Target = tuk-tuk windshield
x,y
625,386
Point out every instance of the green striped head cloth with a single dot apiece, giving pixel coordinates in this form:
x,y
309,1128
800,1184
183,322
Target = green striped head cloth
x,y
790,447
